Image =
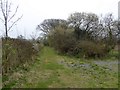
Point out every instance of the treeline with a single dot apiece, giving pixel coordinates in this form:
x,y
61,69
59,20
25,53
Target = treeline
x,y
82,34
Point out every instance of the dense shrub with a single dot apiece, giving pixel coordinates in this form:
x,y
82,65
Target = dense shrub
x,y
90,49
61,39
64,42
16,52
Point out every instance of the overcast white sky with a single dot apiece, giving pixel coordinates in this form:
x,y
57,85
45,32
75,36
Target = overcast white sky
x,y
35,11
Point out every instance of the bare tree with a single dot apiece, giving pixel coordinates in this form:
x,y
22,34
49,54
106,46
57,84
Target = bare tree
x,y
84,23
49,24
5,7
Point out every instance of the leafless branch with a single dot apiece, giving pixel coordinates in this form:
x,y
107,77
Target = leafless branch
x,y
9,8
13,14
6,9
2,8
5,6
14,22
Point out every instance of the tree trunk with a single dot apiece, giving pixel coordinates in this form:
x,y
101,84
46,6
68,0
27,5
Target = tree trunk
x,y
6,31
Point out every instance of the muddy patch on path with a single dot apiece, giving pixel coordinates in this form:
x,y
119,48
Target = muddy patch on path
x,y
112,65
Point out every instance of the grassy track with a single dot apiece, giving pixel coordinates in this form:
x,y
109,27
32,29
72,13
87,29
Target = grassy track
x,y
55,71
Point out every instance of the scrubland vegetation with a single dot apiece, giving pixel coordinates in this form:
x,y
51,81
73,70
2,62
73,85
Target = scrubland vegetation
x,y
51,70
79,52
82,35
15,53
70,54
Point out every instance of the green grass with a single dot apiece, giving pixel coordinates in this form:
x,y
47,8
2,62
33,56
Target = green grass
x,y
51,70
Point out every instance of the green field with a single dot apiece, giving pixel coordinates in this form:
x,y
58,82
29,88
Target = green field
x,y
51,70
